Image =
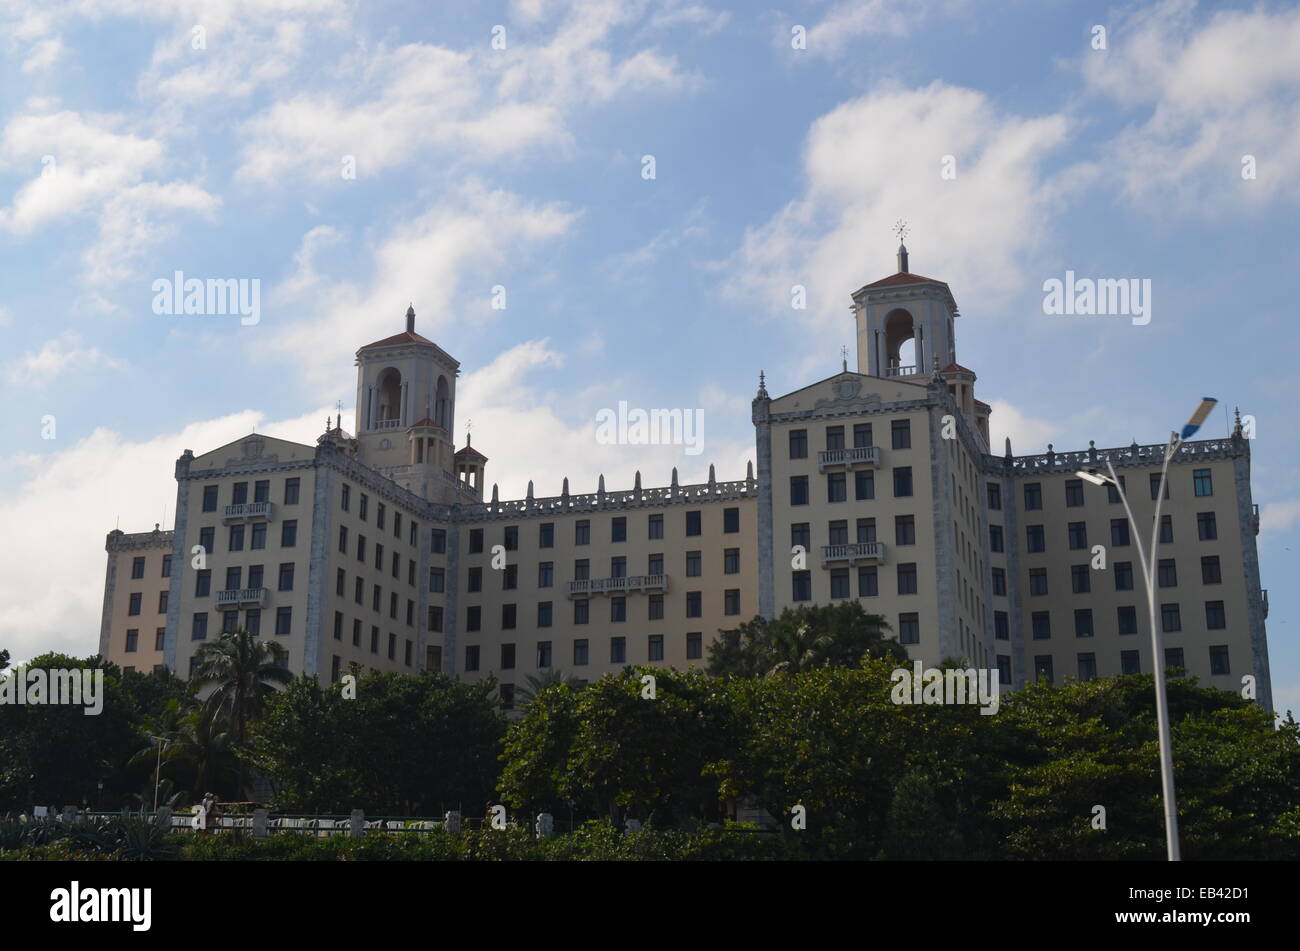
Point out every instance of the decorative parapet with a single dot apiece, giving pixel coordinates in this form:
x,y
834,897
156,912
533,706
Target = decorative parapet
x,y
1152,455
139,541
619,500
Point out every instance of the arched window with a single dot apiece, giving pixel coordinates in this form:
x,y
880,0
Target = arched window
x,y
442,404
899,330
390,395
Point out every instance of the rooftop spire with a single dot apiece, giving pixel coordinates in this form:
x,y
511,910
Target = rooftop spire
x,y
410,318
901,229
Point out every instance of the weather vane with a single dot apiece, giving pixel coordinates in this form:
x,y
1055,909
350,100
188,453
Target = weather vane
x,y
902,230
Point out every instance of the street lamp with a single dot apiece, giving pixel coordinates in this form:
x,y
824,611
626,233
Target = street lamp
x,y
1148,577
161,742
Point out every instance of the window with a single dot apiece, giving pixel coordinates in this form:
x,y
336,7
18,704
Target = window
x,y
656,527
239,493
510,578
995,496
1001,625
397,527
800,535
902,481
546,535
694,646
283,620
435,622
801,582
1088,666
343,539
1219,660
1170,618
543,653
834,438
1166,529
1004,669
507,656
618,529
1041,624
167,566
1037,581
692,523
1035,539
203,583
582,532
1080,581
474,580
258,540
1043,668
1206,529
1033,496
799,490
289,533
617,609
907,578
836,487
132,640
798,444
512,537
508,614
471,657
361,548
134,607
1202,483
868,582
864,484
693,560
475,540
137,567
262,490
162,601
1155,486
374,639
839,583
1119,537
437,580
900,434
655,647
999,582
1083,622
338,627
655,611
291,487
1123,576
995,538
730,521
210,498
358,594
1215,619
731,597
904,530
473,618
438,541
866,531
581,611
694,604
1174,658
730,561
364,507
160,638
1078,533
233,576
1210,570
236,541
1073,493
345,501
618,650
379,557
909,628
861,435
1130,662
546,574
255,573
199,626
1167,573
581,569
580,652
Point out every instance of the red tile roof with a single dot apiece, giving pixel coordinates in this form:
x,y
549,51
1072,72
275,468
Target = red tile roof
x,y
426,422
903,277
405,336
957,368
470,451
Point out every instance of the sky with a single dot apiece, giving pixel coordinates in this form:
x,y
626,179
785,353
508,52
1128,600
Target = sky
x,y
641,183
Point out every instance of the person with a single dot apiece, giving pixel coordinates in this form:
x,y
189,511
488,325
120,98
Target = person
x,y
214,812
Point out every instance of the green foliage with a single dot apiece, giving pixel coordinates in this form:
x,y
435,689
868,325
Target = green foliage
x,y
803,638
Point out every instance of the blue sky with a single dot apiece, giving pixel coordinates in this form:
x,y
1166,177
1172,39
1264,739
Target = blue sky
x,y
133,145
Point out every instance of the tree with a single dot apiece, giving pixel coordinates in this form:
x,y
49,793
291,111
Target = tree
x,y
804,638
245,670
534,684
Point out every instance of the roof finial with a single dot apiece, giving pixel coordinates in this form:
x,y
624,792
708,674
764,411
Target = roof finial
x,y
844,358
469,424
902,230
762,385
1236,427
410,318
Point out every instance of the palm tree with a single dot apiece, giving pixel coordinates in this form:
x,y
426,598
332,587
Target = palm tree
x,y
201,748
245,670
797,648
534,685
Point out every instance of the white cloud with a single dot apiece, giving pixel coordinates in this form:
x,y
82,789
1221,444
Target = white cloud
x,y
848,21
64,352
1214,86
1278,518
44,55
1028,435
878,158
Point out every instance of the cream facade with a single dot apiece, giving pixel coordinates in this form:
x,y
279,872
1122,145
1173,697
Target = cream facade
x,y
137,586
383,548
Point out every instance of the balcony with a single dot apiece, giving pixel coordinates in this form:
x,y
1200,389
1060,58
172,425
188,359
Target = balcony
x,y
862,551
248,512
388,424
589,586
241,596
848,458
896,370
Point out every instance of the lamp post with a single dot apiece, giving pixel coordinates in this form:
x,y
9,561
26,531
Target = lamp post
x,y
161,742
1149,579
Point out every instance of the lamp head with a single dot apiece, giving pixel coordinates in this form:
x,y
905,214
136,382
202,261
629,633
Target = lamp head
x,y
1093,476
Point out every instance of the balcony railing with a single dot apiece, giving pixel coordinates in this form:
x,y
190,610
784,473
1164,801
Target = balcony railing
x,y
590,586
900,371
388,424
861,551
255,596
248,511
857,456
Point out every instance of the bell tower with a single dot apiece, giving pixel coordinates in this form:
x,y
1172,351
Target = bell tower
x,y
905,307
406,410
